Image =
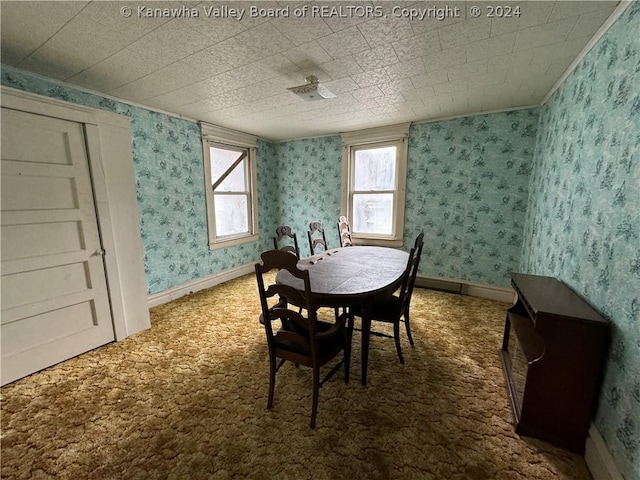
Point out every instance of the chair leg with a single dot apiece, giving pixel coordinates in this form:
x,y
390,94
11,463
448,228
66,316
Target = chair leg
x,y
350,324
408,325
396,337
316,391
272,380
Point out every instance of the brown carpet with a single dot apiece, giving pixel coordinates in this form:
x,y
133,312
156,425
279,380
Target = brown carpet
x,y
186,400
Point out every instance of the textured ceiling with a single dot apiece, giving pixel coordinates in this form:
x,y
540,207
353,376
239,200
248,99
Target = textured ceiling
x,y
383,66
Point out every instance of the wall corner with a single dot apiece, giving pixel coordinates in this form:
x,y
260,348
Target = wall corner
x,y
598,459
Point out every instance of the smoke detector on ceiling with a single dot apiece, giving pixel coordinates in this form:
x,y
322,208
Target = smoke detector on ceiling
x,y
312,90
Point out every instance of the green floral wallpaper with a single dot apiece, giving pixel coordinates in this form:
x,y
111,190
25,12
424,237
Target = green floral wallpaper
x,y
167,156
583,223
552,191
309,177
467,187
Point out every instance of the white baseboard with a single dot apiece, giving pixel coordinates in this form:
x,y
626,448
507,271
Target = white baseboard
x,y
435,283
492,292
165,296
598,458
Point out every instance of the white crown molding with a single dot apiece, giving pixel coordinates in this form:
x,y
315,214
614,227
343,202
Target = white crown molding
x,y
475,114
11,97
311,137
72,86
622,6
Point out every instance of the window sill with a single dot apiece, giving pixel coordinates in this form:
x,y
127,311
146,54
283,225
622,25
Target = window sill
x,y
378,242
232,242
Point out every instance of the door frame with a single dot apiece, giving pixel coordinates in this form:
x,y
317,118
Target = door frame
x,y
108,142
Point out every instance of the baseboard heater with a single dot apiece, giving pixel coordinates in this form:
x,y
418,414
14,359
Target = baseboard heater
x,y
450,286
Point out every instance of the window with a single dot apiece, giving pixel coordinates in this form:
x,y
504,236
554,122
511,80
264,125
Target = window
x,y
229,164
373,185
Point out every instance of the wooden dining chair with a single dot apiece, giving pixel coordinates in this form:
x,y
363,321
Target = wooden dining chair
x,y
395,309
344,231
286,240
301,340
316,237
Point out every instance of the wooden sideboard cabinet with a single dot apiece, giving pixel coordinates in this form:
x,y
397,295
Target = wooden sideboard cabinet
x,y
553,354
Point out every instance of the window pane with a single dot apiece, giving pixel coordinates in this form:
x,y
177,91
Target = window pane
x,y
373,213
231,214
221,161
375,169
236,180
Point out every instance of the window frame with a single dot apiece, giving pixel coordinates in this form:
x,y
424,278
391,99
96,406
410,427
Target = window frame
x,y
219,137
395,135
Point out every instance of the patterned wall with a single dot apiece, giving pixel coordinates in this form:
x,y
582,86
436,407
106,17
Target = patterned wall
x,y
583,223
309,177
467,187
167,155
268,195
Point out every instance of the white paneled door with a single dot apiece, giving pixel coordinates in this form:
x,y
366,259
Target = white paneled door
x,y
55,302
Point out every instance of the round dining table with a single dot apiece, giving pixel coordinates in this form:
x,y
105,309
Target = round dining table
x,y
352,277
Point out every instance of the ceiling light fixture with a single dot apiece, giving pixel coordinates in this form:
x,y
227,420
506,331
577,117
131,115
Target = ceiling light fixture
x,y
312,90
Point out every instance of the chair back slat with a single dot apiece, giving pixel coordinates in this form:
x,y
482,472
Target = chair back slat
x,y
296,339
284,233
316,237
294,296
344,231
